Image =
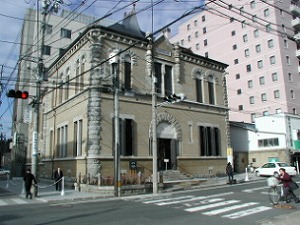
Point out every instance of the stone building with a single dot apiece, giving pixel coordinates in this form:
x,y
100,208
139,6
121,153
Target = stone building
x,y
77,112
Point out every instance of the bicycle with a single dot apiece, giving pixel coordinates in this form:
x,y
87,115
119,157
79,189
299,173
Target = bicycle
x,y
276,191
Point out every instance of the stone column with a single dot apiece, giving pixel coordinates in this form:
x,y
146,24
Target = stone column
x,y
94,105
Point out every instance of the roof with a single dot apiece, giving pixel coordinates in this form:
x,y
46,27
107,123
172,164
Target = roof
x,y
129,26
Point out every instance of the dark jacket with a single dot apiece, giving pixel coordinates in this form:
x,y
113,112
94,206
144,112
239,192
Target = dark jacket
x,y
58,176
286,180
28,178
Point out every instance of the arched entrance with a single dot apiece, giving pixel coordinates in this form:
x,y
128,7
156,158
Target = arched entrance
x,y
168,139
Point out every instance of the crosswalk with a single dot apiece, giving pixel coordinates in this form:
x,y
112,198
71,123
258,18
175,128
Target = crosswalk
x,y
16,201
223,204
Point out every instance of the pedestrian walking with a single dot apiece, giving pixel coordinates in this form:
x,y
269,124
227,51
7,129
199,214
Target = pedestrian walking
x,y
58,174
229,172
28,179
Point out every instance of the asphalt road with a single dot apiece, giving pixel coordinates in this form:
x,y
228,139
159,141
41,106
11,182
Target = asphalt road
x,y
245,204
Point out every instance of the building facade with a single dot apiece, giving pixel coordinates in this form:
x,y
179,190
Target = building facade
x,y
257,40
60,31
272,138
78,112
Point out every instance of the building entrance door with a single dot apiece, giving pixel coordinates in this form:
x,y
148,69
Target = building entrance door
x,y
166,151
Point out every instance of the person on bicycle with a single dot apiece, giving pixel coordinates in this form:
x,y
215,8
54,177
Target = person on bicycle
x,y
286,179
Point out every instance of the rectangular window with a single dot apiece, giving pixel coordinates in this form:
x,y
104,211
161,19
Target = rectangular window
x,y
48,29
258,48
62,141
77,145
263,97
256,33
288,60
209,141
266,12
274,77
236,61
234,47
250,84
204,30
65,33
46,50
163,84
260,64
245,38
276,94
272,60
241,107
127,135
262,80
196,34
268,142
251,100
203,18
247,52
233,33
270,43
237,76
268,28
248,68
205,42
239,91
252,4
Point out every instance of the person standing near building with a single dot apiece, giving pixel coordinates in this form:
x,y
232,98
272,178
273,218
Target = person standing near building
x,y
229,172
28,179
58,174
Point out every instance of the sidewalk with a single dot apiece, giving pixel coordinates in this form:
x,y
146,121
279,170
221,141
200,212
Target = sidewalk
x,y
47,193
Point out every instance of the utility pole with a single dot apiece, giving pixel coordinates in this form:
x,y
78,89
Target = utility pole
x,y
47,6
114,61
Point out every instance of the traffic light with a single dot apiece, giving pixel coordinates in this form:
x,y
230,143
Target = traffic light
x,y
17,94
174,98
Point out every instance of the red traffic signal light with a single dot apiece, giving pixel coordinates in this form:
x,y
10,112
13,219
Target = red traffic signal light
x,y
17,94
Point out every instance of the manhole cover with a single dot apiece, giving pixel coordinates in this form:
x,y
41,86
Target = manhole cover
x,y
284,206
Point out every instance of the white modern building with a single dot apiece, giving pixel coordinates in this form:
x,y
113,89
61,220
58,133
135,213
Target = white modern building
x,y
273,138
258,40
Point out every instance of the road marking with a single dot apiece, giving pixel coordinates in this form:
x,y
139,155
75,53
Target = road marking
x,y
171,202
253,189
204,202
3,202
168,199
229,208
247,212
203,207
19,201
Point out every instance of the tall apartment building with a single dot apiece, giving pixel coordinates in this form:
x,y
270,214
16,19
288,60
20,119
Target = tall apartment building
x,y
258,40
60,30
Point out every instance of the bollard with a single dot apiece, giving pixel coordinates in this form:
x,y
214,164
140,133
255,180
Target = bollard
x,y
62,186
7,180
247,178
23,188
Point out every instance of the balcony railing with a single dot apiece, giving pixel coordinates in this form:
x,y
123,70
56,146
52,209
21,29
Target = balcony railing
x,y
295,10
296,23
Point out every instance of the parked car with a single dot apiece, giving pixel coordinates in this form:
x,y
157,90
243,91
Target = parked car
x,y
4,172
272,168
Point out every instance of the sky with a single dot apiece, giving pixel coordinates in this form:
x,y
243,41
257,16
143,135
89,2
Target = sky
x,y
11,19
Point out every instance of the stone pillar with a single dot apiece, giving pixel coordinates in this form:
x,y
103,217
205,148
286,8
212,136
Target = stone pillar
x,y
94,105
177,63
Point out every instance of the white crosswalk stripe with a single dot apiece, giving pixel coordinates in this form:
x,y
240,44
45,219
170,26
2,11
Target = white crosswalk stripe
x,y
15,201
212,205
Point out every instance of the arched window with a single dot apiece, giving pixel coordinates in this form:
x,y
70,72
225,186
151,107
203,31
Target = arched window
x,y
67,84
77,77
82,70
211,89
60,88
127,73
199,87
